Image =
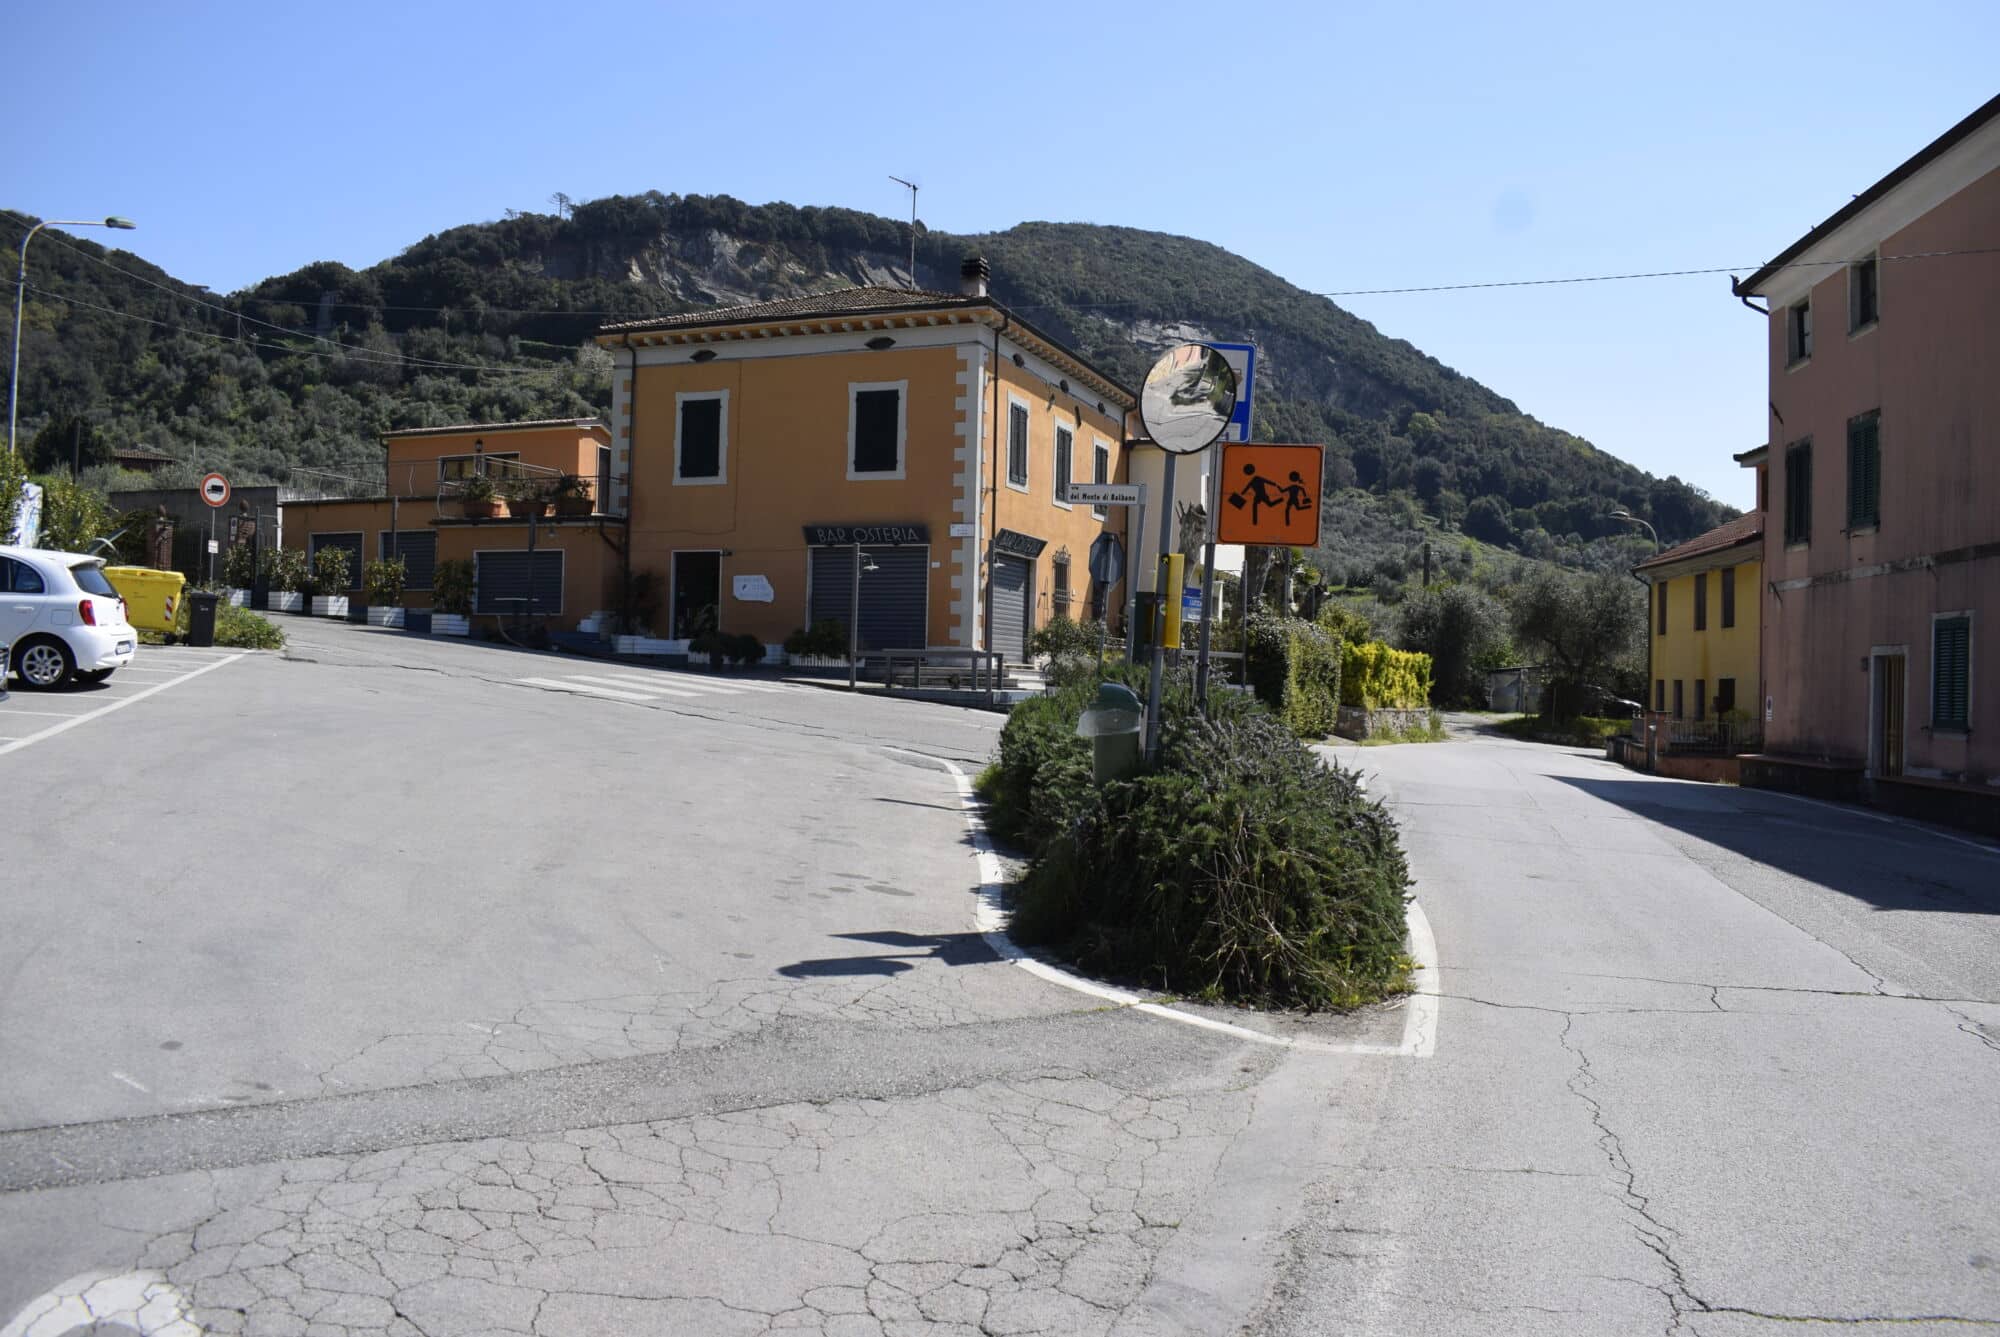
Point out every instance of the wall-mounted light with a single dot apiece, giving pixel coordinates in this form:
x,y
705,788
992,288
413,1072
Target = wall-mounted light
x,y
880,342
1065,386
1020,361
703,355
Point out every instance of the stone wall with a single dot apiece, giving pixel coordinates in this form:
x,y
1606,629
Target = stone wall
x,y
1357,723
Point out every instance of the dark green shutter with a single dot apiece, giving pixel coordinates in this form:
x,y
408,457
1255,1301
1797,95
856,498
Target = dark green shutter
x,y
1951,665
1864,471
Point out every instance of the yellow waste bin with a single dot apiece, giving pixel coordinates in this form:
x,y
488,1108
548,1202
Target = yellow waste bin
x,y
152,598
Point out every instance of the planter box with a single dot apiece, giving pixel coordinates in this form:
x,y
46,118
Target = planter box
x,y
329,605
239,598
287,601
817,662
384,617
450,624
648,645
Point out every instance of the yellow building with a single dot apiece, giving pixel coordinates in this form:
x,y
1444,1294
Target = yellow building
x,y
767,453
563,559
1704,623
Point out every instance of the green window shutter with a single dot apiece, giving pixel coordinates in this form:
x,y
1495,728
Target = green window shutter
x,y
1951,665
1864,471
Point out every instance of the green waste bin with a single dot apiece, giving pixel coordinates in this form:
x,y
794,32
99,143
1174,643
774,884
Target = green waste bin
x,y
152,598
1115,725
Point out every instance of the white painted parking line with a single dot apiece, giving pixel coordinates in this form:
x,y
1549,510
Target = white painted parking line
x,y
628,685
9,711
582,689
74,720
673,682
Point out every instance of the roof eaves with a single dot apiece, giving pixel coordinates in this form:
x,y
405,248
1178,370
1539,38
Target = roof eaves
x,y
1922,159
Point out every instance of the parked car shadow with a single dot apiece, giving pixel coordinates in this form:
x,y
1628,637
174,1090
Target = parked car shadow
x,y
1889,865
951,949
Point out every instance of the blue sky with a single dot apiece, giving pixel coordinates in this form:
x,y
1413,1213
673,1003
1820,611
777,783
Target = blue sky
x,y
1340,145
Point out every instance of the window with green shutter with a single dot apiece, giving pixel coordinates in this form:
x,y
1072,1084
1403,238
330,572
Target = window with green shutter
x,y
1951,673
1864,471
1798,492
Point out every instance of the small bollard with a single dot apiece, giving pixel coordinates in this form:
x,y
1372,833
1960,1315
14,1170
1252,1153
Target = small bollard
x,y
1115,725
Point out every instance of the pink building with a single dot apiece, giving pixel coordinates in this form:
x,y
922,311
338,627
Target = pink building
x,y
1881,604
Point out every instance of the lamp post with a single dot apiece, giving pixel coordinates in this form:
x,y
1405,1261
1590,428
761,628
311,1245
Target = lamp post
x,y
20,291
1651,729
863,564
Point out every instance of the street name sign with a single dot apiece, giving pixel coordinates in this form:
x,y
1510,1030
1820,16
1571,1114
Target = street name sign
x,y
1107,494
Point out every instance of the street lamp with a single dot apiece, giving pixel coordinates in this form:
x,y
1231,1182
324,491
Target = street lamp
x,y
1632,519
863,565
20,290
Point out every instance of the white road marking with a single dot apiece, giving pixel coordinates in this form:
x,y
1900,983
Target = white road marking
x,y
141,1302
134,1085
1420,1014
627,684
120,704
1855,810
9,711
582,689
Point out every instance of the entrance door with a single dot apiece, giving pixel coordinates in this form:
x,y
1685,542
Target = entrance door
x,y
1013,595
1888,749
697,594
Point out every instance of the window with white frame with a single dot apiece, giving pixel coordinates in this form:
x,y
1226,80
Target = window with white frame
x,y
1100,472
1017,445
701,438
877,427
1065,462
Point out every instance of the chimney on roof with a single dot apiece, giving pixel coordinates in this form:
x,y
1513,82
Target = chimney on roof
x,y
973,272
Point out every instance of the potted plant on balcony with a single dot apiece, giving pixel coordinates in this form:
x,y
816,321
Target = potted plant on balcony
x,y
451,588
570,494
527,498
329,582
478,497
288,579
384,582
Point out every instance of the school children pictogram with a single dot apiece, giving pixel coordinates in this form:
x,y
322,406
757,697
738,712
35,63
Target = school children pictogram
x,y
1270,495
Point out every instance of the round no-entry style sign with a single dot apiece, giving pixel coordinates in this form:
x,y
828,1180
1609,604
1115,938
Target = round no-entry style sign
x,y
215,490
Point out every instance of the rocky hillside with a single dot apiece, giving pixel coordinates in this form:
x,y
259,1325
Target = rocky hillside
x,y
493,319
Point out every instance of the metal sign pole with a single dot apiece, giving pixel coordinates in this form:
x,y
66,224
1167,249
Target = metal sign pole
x,y
1135,530
854,622
1211,501
1160,614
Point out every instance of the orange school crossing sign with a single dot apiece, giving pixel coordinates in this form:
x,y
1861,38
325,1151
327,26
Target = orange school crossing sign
x,y
1270,495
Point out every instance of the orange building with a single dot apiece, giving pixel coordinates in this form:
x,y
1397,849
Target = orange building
x,y
767,453
553,559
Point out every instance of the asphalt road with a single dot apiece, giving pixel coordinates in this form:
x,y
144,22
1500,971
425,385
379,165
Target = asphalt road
x,y
1710,1061
400,986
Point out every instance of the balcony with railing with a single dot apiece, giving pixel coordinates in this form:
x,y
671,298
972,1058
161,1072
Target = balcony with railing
x,y
495,486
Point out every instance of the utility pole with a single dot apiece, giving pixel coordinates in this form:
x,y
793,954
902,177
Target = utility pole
x,y
911,186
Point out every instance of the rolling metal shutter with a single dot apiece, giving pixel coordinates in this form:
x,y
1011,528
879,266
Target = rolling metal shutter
x,y
418,549
895,597
1013,586
501,576
355,555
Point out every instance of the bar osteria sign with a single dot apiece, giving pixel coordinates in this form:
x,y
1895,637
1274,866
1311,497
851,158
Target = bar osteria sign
x,y
873,536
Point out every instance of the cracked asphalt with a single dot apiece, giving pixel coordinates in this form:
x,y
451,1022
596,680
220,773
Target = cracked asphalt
x,y
1710,1061
383,994
392,995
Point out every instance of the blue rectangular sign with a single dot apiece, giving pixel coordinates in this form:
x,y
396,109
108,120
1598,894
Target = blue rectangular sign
x,y
1242,359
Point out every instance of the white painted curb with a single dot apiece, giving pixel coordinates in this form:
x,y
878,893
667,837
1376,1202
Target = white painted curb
x,y
1420,1014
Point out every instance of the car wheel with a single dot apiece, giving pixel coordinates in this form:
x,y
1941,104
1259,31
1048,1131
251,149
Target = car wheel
x,y
44,663
95,675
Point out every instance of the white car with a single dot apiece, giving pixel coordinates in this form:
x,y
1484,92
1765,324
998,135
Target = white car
x,y
61,617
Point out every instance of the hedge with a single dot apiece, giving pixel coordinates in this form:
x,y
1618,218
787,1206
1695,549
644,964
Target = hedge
x,y
1375,677
1239,867
1294,666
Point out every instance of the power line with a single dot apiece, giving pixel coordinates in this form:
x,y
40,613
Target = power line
x,y
1645,274
259,341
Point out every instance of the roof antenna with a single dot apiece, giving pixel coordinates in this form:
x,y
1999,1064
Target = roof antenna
x,y
911,186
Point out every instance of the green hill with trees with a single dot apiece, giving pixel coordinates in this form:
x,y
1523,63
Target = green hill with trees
x,y
293,379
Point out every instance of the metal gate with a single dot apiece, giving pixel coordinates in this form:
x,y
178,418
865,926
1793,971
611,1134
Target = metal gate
x,y
895,596
1013,595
